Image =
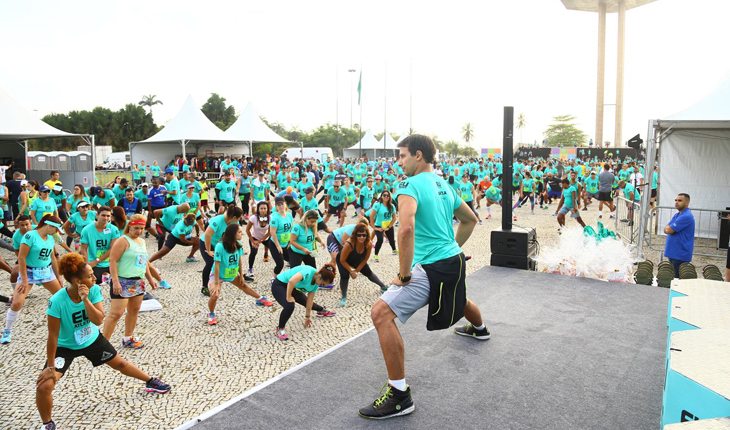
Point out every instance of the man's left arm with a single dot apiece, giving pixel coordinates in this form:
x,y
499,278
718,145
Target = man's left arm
x,y
678,223
407,206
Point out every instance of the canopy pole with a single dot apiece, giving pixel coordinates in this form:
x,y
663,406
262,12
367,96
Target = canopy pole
x,y
93,159
183,143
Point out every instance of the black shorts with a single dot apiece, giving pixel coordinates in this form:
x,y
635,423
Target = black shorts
x,y
653,193
99,273
333,245
604,196
335,210
98,353
171,241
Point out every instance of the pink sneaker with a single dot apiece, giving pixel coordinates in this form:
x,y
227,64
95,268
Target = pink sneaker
x,y
325,313
281,334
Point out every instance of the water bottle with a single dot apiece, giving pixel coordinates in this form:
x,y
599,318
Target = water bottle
x,y
77,244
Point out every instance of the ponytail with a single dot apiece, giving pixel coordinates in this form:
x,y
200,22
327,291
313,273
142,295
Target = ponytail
x,y
327,273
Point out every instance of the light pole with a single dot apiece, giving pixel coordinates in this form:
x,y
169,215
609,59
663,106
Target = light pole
x,y
350,72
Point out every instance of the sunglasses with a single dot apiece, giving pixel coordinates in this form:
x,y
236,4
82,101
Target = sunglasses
x,y
362,235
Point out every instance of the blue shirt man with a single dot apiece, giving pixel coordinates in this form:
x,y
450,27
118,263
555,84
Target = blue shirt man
x,y
680,234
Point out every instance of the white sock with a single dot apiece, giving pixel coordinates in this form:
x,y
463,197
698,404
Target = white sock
x,y
489,210
398,384
481,327
10,319
126,338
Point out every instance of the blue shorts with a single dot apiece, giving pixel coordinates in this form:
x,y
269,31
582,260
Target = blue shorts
x,y
564,211
39,275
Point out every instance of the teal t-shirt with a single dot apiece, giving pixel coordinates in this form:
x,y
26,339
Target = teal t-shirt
x,y
349,193
307,283
80,223
494,194
337,197
118,192
654,180
173,186
77,331
58,199
308,205
74,201
466,189
340,232
193,201
305,238
568,197
108,197
283,226
591,185
245,187
218,225
142,197
628,189
437,202
383,215
366,197
40,250
182,229
226,191
155,170
99,242
229,262
170,217
259,190
43,207
528,185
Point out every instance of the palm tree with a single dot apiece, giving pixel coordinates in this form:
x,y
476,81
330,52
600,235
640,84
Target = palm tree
x,y
149,101
467,132
521,123
452,148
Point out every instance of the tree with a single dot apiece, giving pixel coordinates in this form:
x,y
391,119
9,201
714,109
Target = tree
x,y
218,112
149,101
521,123
564,133
467,132
452,148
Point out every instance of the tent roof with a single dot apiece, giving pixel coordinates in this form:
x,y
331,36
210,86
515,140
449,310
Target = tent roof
x,y
390,143
249,127
17,123
713,111
190,124
368,142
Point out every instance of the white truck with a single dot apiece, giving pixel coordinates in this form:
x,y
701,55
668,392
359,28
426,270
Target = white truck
x,y
118,160
320,153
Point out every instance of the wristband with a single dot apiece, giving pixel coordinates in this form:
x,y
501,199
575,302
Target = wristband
x,y
405,278
307,317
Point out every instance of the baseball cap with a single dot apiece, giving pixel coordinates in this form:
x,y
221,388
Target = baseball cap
x,y
24,182
168,171
44,189
144,184
261,172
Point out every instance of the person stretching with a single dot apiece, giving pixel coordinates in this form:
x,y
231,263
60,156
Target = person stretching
x,y
288,287
353,259
73,316
181,234
382,216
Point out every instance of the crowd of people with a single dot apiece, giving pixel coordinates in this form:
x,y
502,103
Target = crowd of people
x,y
285,207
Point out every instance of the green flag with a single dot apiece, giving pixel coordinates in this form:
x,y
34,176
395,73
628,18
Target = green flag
x,y
359,88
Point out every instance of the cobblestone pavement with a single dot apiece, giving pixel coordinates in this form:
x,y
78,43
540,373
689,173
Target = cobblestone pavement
x,y
205,365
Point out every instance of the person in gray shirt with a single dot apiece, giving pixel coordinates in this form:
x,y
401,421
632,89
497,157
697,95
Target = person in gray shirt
x,y
605,184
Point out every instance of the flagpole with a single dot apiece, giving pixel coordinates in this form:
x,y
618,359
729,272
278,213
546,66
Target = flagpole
x,y
337,104
359,102
385,109
410,97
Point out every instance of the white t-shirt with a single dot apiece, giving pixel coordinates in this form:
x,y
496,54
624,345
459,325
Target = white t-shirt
x,y
3,170
257,231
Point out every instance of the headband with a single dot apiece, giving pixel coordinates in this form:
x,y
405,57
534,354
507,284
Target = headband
x,y
138,222
53,224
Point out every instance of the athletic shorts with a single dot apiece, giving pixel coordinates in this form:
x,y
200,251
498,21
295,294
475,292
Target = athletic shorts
x,y
554,194
592,195
564,211
171,241
405,300
605,196
333,246
98,353
653,193
335,210
321,226
40,275
131,287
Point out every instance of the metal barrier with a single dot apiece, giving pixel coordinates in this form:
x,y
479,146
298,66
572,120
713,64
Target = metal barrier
x,y
627,219
706,234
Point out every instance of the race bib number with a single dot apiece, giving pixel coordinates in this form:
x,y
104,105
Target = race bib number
x,y
230,272
99,254
40,274
386,224
285,237
228,195
46,213
140,261
82,335
465,196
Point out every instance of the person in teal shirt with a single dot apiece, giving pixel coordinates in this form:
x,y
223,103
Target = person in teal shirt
x,y
299,285
591,189
382,217
633,197
336,202
225,192
213,234
119,189
260,189
180,234
73,316
367,196
303,238
43,205
167,219
228,267
103,198
568,204
155,169
281,226
173,186
141,195
77,222
526,191
97,240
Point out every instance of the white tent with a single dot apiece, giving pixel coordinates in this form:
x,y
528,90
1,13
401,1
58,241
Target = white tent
x,y
249,127
17,125
371,147
189,126
694,154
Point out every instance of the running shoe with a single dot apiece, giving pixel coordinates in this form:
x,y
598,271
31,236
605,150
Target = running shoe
x,y
266,258
325,313
204,291
489,216
263,301
132,343
480,222
343,303
281,334
191,260
514,218
391,403
248,276
5,339
155,385
165,285
395,252
212,320
48,426
383,289
376,258
470,331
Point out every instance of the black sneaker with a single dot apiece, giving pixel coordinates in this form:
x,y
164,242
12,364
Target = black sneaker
x,y
49,426
204,291
155,385
392,403
470,331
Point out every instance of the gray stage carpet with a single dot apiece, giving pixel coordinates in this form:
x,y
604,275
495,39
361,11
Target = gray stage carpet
x,y
565,353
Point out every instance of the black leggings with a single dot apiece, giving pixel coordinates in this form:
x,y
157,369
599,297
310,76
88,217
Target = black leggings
x,y
296,259
379,242
245,202
268,243
345,275
5,231
208,263
278,290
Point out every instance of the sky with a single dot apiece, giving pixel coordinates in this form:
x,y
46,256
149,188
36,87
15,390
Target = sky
x,y
431,66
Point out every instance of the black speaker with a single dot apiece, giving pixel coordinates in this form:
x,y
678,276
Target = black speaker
x,y
724,230
518,242
513,262
635,142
